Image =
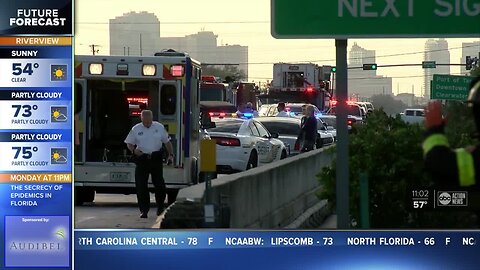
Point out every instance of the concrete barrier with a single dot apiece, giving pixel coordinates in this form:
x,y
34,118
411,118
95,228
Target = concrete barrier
x,y
270,196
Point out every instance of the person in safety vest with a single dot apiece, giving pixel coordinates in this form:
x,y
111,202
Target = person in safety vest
x,y
452,167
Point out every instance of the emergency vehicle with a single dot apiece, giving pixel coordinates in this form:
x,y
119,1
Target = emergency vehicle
x,y
110,92
240,93
299,83
212,90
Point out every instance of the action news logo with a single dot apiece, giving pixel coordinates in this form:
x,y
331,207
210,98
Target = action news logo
x,y
452,198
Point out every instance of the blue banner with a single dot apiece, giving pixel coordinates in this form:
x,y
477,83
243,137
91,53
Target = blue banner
x,y
129,249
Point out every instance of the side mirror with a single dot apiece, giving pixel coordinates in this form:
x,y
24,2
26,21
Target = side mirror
x,y
275,135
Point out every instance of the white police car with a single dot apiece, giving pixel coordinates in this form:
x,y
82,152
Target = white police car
x,y
243,144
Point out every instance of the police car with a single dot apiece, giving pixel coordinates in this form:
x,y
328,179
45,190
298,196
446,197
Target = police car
x,y
242,144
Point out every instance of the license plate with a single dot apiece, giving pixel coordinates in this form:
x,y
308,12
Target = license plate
x,y
119,176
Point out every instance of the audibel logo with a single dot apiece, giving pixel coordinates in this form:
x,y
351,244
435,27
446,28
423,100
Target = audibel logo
x,y
452,198
37,241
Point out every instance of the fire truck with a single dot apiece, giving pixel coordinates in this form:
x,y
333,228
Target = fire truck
x,y
240,93
299,83
212,90
110,92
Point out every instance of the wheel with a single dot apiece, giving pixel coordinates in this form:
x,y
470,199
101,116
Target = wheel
x,y
88,194
319,143
78,197
83,195
252,160
284,155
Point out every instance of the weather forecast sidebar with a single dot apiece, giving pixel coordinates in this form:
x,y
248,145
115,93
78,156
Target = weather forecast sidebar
x,y
36,134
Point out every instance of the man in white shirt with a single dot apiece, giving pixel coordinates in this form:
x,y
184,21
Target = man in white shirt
x,y
281,110
145,141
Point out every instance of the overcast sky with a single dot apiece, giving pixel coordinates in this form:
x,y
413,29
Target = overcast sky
x,y
247,22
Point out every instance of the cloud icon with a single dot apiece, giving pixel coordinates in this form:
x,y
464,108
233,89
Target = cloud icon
x,y
61,118
61,159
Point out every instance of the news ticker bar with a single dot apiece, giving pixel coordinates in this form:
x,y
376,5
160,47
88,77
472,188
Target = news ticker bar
x,y
140,240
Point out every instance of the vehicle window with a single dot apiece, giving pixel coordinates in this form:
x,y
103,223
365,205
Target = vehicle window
x,y
254,130
227,126
294,109
330,121
409,113
282,128
354,110
263,132
212,94
272,111
420,113
168,99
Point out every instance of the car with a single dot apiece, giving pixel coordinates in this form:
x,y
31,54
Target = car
x,y
328,124
217,108
288,129
413,116
354,112
242,144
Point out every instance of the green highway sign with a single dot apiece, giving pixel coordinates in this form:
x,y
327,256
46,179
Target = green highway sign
x,y
429,64
449,87
343,19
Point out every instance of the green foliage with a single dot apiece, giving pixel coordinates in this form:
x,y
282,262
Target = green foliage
x,y
389,151
388,103
460,125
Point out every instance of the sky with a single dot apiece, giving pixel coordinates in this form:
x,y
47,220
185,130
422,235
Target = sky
x,y
247,23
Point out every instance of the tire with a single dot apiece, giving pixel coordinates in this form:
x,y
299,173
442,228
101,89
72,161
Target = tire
x,y
284,155
83,195
252,161
319,143
88,195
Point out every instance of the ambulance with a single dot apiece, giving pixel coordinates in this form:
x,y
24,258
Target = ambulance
x,y
109,93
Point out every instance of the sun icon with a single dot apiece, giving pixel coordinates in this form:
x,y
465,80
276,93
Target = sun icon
x,y
59,73
56,155
56,113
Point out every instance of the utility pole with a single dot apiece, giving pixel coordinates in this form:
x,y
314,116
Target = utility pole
x,y
94,50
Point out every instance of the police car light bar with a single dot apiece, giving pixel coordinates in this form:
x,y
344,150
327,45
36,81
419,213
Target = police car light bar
x,y
149,70
95,68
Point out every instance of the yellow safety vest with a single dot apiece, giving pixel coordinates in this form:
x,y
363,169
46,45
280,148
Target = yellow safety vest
x,y
465,164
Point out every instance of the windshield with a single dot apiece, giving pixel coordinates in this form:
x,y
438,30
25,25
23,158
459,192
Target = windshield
x,y
212,94
282,128
227,126
330,121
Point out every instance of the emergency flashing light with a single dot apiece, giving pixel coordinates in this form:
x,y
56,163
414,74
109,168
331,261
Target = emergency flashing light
x,y
95,68
149,70
349,122
309,89
177,71
222,114
333,102
248,115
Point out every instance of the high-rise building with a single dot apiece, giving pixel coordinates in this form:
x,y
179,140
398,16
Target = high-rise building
x,y
471,49
134,33
203,47
435,50
365,83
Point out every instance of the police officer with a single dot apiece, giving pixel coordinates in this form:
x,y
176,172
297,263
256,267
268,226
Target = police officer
x,y
145,142
460,167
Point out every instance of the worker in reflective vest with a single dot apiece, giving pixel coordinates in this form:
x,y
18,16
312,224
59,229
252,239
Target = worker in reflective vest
x,y
459,167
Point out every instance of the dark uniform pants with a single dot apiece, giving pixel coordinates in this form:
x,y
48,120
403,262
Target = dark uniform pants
x,y
307,146
149,165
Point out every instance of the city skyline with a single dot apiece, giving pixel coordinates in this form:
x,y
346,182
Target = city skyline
x,y
248,24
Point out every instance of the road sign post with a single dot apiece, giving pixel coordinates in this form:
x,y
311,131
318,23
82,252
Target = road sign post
x,y
449,87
